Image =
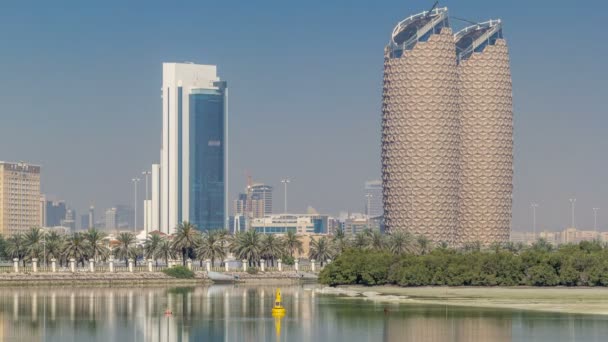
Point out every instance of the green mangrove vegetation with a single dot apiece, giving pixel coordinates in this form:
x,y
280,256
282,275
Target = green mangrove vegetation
x,y
582,264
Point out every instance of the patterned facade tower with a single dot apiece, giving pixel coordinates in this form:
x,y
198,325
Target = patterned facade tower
x,y
486,122
420,129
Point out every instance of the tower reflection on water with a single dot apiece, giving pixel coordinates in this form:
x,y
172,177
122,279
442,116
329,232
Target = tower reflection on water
x,y
224,313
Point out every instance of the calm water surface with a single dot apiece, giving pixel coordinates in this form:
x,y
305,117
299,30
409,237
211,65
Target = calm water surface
x,y
243,313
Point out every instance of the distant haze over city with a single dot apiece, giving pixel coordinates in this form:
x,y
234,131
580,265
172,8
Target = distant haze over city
x,y
305,97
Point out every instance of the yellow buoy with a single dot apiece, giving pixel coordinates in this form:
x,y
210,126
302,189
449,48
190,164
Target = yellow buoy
x,y
278,310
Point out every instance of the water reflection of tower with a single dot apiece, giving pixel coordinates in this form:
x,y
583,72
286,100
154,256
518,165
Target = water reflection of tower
x,y
435,327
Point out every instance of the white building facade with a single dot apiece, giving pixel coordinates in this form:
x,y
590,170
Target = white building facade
x,y
190,184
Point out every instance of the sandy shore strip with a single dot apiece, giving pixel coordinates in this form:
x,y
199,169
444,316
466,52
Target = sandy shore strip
x,y
555,299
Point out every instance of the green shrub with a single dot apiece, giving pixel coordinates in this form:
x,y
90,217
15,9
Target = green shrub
x,y
180,272
542,275
288,260
252,270
358,267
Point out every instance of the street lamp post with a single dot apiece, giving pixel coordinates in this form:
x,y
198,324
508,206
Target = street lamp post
x,y
572,201
595,219
135,181
534,206
285,181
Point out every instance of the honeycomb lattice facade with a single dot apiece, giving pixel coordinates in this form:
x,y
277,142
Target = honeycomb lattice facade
x,y
421,140
447,131
486,155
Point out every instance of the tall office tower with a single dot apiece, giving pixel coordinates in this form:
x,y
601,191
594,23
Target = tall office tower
x,y
486,122
125,216
19,197
194,151
373,198
262,192
70,220
420,128
84,222
111,219
54,213
91,223
42,203
240,205
257,206
155,205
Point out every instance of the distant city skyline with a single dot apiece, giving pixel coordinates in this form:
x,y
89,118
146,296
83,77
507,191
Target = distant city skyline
x,y
96,122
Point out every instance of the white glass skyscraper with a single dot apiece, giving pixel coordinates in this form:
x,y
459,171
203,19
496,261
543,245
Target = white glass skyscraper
x,y
193,155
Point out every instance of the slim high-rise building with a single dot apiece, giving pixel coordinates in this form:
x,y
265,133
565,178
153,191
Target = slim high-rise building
x,y
42,203
420,128
84,222
240,205
373,198
155,205
91,217
194,151
55,212
261,192
486,124
111,219
19,197
70,220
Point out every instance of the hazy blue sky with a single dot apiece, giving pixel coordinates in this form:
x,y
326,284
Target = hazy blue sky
x,y
80,94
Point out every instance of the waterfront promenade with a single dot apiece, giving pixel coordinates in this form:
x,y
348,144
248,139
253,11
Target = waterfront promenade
x,y
148,271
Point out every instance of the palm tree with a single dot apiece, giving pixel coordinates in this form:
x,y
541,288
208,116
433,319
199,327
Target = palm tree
x,y
224,239
247,245
75,247
96,246
54,245
377,240
401,242
135,252
165,251
361,241
185,240
211,247
151,247
293,243
320,249
424,244
340,240
16,247
2,246
33,241
272,247
125,240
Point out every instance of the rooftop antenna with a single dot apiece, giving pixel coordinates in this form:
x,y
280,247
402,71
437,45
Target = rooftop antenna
x,y
432,8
